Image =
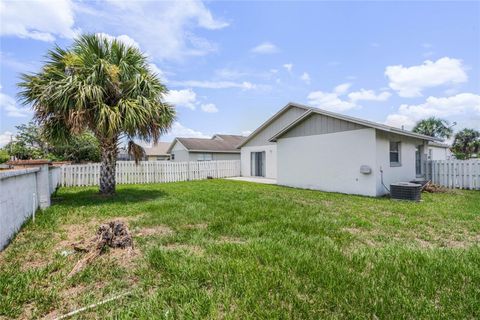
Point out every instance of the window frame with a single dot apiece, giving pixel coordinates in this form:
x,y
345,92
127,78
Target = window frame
x,y
397,163
202,156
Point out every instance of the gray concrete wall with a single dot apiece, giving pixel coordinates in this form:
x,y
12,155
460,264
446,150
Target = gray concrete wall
x,y
22,192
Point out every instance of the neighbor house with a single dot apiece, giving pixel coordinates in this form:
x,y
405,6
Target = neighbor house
x,y
219,147
158,152
438,151
310,148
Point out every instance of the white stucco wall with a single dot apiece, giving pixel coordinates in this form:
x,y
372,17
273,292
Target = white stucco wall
x,y
439,153
329,162
404,172
270,160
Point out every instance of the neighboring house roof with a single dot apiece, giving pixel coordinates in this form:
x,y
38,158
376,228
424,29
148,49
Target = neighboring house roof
x,y
270,120
439,145
365,123
219,143
158,149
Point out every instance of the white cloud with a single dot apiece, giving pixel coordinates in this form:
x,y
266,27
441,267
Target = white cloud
x,y
338,100
246,133
5,138
368,95
305,77
10,107
209,108
227,73
165,29
463,107
288,66
265,48
183,98
122,38
40,19
245,85
410,81
342,88
178,130
329,101
399,121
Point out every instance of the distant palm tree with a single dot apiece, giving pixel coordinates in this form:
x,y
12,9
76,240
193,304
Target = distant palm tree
x,y
102,85
466,143
434,127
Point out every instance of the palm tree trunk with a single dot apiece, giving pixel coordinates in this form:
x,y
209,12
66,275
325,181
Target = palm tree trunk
x,y
107,168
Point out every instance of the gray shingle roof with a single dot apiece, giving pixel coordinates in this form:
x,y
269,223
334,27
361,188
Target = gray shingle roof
x,y
159,149
218,143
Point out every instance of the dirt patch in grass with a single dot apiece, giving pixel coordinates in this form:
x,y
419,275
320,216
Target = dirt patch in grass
x,y
196,226
160,230
192,249
125,258
430,239
234,240
73,233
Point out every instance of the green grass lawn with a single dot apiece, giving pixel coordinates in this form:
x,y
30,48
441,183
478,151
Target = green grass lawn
x,y
224,249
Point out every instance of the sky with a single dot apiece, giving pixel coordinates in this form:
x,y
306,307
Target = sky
x,y
231,65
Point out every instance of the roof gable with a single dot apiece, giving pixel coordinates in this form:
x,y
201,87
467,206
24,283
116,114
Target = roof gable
x,y
366,123
276,122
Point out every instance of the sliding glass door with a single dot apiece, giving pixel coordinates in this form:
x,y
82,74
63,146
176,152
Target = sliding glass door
x,y
257,164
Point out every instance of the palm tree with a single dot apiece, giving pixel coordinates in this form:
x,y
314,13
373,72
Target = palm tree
x,y
466,143
434,127
104,86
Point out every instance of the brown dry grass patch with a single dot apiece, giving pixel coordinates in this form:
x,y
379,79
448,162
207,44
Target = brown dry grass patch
x,y
160,230
192,249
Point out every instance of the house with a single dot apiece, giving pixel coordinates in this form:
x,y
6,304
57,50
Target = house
x,y
311,148
219,147
158,152
438,151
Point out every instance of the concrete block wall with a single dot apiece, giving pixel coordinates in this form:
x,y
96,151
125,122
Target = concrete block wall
x,y
23,190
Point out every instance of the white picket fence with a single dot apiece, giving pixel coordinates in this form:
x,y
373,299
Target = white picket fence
x,y
461,174
149,172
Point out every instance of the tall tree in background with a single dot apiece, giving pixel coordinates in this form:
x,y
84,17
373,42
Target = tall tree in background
x,y
434,127
466,143
31,143
101,85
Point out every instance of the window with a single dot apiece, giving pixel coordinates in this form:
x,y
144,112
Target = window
x,y
418,160
172,156
394,153
205,157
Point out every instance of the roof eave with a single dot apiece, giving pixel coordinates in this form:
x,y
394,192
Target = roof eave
x,y
169,150
214,151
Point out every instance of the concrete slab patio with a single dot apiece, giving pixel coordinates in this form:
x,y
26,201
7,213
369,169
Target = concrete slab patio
x,y
254,179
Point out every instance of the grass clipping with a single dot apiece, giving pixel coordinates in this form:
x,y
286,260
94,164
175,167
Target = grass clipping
x,y
114,234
